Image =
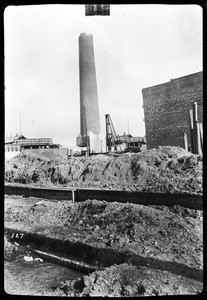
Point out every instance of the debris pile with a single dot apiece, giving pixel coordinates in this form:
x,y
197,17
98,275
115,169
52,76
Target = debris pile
x,y
165,169
14,251
128,281
164,245
168,234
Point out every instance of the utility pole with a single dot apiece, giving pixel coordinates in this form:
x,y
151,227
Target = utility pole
x,y
20,124
128,132
128,125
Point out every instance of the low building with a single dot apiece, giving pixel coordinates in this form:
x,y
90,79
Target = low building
x,y
20,142
126,142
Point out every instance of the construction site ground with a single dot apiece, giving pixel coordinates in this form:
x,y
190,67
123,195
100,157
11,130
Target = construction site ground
x,y
164,244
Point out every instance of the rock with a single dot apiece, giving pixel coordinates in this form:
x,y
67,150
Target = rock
x,y
28,258
96,228
38,259
89,280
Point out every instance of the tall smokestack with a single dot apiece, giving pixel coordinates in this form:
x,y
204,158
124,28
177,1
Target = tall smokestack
x,y
89,109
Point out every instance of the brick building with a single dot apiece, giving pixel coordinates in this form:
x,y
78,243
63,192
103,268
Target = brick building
x,y
166,110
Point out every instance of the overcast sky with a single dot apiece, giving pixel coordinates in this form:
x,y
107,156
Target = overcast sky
x,y
137,46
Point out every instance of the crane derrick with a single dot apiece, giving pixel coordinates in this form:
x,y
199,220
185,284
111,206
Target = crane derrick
x,y
112,139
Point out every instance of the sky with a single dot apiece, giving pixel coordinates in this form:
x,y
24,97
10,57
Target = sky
x,y
137,46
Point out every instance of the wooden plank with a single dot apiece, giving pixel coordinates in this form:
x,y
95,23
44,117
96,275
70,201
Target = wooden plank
x,y
191,131
199,150
185,141
195,120
201,134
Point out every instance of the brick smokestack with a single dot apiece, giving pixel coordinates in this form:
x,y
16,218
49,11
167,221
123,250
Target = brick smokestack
x,y
89,108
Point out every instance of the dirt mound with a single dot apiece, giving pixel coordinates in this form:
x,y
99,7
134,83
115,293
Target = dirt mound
x,y
163,246
172,234
166,169
129,281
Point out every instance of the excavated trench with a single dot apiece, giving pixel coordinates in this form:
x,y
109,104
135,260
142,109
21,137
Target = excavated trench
x,y
95,239
26,273
86,258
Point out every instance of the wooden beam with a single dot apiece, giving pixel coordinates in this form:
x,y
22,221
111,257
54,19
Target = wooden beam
x,y
191,131
195,120
199,149
201,134
185,141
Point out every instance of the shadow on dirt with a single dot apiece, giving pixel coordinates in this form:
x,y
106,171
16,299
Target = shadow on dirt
x,y
104,257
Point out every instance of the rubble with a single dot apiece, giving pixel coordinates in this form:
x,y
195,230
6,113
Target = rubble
x,y
128,281
14,251
165,234
164,244
166,169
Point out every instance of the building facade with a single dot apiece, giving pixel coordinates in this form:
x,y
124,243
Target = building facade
x,y
19,142
166,110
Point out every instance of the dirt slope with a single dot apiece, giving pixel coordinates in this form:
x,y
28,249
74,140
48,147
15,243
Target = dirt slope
x,y
166,169
128,281
168,234
164,245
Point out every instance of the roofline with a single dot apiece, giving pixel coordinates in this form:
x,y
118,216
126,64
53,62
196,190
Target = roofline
x,y
149,87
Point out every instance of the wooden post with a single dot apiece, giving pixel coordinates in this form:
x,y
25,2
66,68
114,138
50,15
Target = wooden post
x,y
201,134
191,131
199,150
195,120
73,196
185,141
